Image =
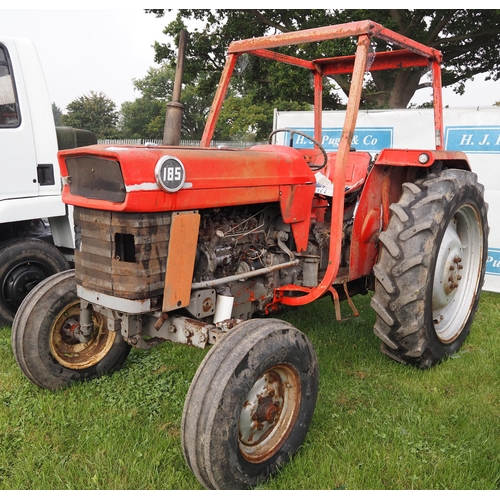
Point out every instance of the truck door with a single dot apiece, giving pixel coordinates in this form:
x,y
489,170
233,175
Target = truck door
x,y
18,164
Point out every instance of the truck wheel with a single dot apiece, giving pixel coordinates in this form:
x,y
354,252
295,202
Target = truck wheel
x,y
24,262
431,268
43,342
250,404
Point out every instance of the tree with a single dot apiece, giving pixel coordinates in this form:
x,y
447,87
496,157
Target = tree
x,y
468,39
95,112
242,117
56,111
245,118
145,117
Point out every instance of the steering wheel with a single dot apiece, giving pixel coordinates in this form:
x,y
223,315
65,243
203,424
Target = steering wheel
x,y
313,166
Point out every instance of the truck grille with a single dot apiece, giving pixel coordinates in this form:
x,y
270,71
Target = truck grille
x,y
121,254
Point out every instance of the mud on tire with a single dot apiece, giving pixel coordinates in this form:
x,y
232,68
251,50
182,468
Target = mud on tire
x,y
431,268
42,338
250,404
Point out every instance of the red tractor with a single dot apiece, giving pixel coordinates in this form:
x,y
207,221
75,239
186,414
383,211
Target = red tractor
x,y
189,244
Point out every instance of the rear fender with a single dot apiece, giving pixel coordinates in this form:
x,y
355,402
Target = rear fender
x,y
383,187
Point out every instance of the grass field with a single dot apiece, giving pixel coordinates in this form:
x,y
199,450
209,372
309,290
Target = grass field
x,y
378,425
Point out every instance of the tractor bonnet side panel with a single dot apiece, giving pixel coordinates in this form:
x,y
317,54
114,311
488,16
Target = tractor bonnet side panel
x,y
122,178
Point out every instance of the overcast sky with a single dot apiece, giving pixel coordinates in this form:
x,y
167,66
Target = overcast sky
x,y
104,49
83,50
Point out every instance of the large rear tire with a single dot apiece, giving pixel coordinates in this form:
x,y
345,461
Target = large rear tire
x,y
431,268
24,263
45,346
250,404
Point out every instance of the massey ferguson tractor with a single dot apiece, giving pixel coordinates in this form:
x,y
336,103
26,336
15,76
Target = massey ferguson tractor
x,y
199,245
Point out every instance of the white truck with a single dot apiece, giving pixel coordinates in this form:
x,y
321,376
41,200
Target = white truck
x,y
36,233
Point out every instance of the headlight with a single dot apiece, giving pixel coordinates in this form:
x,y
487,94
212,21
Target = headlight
x,y
423,158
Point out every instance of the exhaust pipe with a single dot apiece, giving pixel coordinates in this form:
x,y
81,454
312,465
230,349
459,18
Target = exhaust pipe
x,y
173,116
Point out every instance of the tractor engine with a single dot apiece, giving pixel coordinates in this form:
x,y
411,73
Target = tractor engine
x,y
235,248
244,253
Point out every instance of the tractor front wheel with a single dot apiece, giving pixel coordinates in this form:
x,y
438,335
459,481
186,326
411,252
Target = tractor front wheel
x,y
431,268
45,337
250,404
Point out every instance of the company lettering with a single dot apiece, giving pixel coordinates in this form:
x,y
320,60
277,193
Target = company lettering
x,y
466,140
364,139
369,140
493,261
473,139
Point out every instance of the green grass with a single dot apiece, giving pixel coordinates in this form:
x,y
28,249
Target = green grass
x,y
377,425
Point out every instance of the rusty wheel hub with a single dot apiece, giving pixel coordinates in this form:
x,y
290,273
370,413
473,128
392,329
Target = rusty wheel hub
x,y
269,413
66,347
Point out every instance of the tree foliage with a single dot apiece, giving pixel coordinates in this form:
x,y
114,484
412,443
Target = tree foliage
x,y
245,118
93,111
56,111
242,117
145,117
468,39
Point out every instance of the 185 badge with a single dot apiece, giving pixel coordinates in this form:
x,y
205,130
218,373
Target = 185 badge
x,y
170,174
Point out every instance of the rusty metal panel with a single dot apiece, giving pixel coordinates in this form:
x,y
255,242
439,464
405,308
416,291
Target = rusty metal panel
x,y
121,254
181,257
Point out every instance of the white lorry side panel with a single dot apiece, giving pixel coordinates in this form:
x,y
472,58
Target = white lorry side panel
x,y
30,143
17,147
42,118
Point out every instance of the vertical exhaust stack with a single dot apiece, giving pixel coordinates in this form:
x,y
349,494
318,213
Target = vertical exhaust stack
x,y
173,116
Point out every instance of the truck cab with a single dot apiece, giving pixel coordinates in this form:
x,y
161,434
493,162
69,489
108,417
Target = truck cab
x,y
36,230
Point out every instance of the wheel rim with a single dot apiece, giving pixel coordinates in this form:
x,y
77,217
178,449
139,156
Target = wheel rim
x,y
457,273
269,413
20,280
68,350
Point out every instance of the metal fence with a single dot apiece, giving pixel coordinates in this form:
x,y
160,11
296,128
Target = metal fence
x,y
213,144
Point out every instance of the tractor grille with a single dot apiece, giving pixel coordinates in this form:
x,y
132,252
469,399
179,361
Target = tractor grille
x,y
121,254
97,178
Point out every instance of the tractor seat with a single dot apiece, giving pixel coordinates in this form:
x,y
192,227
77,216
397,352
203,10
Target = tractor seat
x,y
356,170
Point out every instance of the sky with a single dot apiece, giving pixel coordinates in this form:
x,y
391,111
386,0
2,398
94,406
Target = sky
x,y
104,49
88,49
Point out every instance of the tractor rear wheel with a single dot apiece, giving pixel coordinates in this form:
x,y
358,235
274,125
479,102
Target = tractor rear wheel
x,y
45,340
431,268
250,404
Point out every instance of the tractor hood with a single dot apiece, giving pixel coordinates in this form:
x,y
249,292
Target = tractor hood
x,y
159,179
